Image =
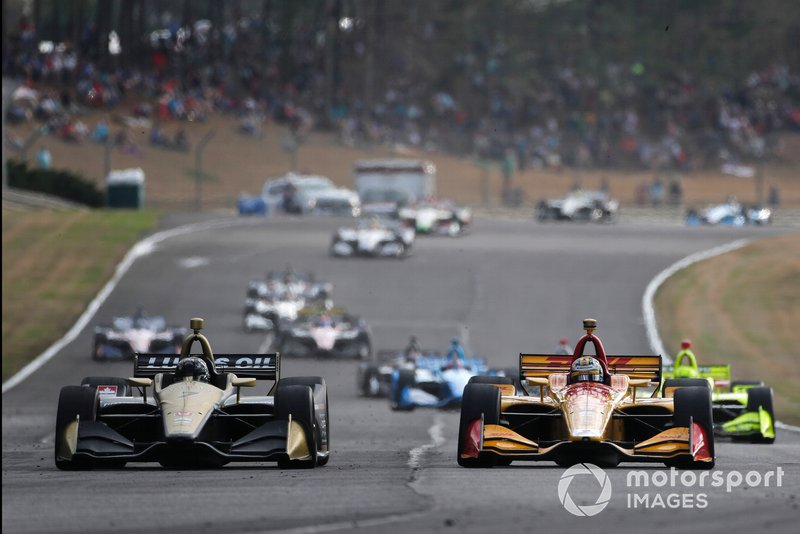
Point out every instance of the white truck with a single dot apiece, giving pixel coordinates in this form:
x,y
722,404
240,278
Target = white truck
x,y
397,181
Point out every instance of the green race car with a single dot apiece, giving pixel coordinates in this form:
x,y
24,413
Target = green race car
x,y
742,408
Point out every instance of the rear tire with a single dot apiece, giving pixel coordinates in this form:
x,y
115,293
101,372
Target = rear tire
x,y
754,383
96,381
298,401
74,401
693,403
481,379
684,382
479,400
761,397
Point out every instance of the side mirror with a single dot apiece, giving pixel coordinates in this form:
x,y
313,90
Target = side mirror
x,y
143,383
536,381
140,382
245,382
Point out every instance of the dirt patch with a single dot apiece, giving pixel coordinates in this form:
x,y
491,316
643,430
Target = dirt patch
x,y
741,308
241,164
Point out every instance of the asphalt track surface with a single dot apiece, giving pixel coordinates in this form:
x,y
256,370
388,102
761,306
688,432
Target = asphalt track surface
x,y
507,287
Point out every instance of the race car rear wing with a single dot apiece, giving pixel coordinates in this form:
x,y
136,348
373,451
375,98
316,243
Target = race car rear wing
x,y
258,366
636,367
720,373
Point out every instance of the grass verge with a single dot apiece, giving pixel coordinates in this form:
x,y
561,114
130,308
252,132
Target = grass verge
x,y
54,263
741,308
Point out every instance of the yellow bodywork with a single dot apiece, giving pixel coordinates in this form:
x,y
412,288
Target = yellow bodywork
x,y
296,442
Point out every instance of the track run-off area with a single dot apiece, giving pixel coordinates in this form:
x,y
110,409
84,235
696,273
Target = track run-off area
x,y
505,287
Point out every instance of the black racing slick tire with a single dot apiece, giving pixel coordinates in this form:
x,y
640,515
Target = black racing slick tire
x,y
297,401
761,397
121,385
749,383
479,400
684,382
370,381
322,420
693,404
480,379
406,378
73,402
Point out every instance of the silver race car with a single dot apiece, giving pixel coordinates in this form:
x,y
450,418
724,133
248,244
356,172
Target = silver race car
x,y
374,236
136,333
280,297
326,333
437,216
592,206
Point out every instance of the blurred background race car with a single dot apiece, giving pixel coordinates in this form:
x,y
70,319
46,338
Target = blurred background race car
x,y
731,213
374,236
136,333
280,297
437,216
413,378
323,332
594,206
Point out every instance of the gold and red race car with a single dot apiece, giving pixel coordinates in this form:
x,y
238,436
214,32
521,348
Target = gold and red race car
x,y
581,408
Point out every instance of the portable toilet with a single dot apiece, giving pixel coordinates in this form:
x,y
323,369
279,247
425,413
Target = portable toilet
x,y
125,189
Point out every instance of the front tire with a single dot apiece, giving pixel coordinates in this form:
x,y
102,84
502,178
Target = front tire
x,y
297,401
73,402
480,400
406,378
693,404
761,397
370,385
322,420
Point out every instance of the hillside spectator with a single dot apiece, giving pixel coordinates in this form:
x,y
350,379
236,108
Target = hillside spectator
x,y
657,192
44,160
101,131
774,196
675,191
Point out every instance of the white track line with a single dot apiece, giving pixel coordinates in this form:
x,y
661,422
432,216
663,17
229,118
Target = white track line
x,y
649,294
142,248
656,345
437,439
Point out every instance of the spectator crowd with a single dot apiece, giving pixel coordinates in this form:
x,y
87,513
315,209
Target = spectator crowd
x,y
620,119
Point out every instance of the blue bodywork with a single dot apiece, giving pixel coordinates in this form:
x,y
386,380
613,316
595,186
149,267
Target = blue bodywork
x,y
435,385
252,206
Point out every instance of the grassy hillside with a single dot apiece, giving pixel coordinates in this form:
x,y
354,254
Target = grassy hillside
x,y
741,308
54,263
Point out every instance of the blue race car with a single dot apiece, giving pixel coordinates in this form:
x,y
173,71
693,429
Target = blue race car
x,y
433,382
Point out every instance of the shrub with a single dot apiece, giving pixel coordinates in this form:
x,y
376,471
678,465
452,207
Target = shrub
x,y
59,183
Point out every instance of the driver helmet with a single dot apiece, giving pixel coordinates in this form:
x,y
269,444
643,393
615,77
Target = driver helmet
x,y
138,317
193,367
586,369
325,320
